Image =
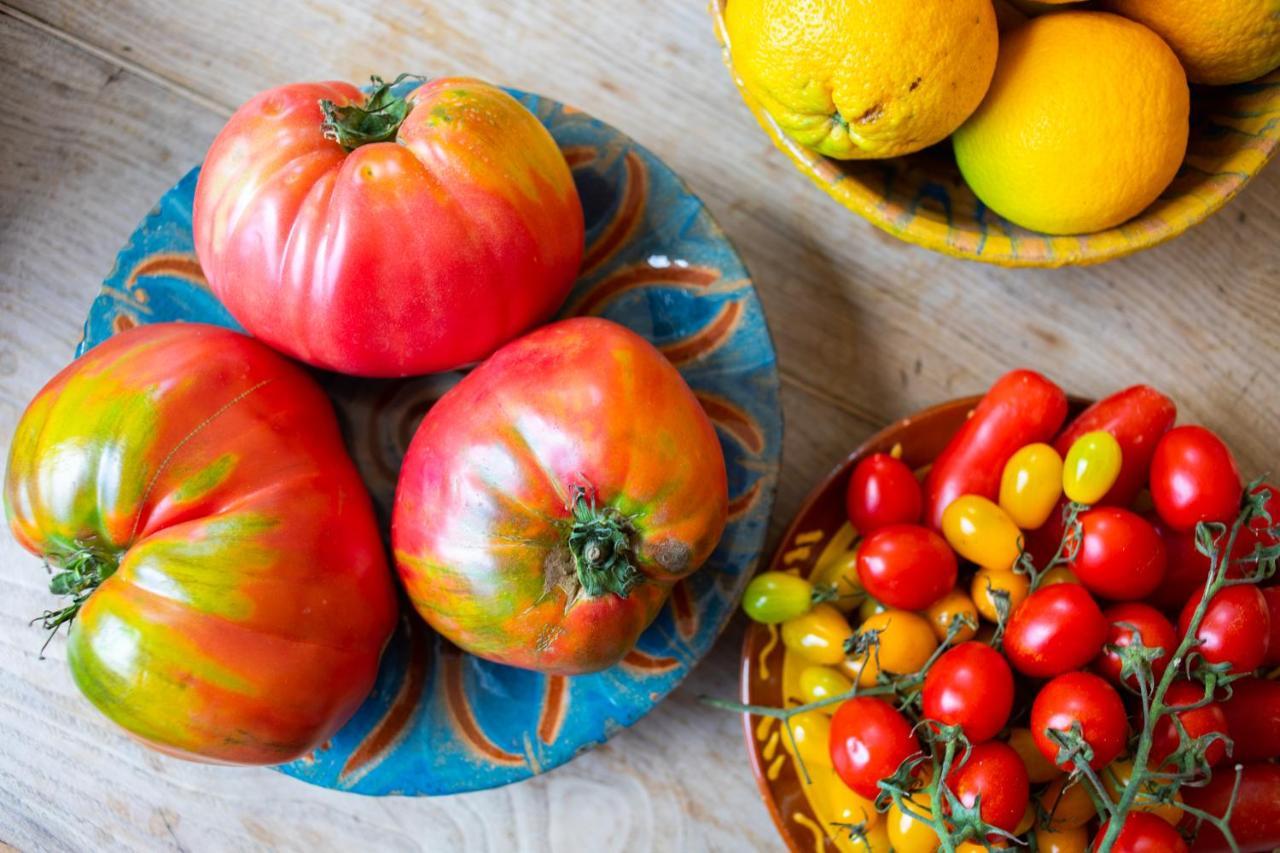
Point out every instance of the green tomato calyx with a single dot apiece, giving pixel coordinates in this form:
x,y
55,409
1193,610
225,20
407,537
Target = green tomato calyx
x,y
80,573
601,543
378,119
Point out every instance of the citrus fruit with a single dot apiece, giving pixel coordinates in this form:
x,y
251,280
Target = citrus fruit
x,y
1085,124
864,78
1218,41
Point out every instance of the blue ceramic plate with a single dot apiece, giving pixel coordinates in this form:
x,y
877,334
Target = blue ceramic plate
x,y
440,721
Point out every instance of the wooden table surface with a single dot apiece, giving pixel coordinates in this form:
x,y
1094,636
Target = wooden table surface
x,y
110,101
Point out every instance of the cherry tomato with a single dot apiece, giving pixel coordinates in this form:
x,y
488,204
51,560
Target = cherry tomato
x,y
1021,408
1154,630
1253,717
841,572
868,608
1031,485
846,805
818,636
993,775
882,491
1236,627
1255,820
1197,722
987,584
1144,833
1272,595
774,597
979,531
906,833
823,682
1194,478
1084,698
869,739
1062,841
1187,569
1091,467
811,732
1067,804
906,566
1136,417
1057,575
1039,768
906,642
1115,778
954,605
970,686
1057,629
1121,555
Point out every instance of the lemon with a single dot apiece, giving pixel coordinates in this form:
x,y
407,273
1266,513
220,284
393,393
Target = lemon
x,y
1218,41
864,78
1085,124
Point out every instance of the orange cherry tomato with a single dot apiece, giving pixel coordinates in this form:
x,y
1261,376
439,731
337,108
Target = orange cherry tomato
x,y
987,582
980,531
1031,485
954,605
1066,804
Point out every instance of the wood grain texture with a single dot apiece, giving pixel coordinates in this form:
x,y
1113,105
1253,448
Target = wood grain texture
x,y
112,100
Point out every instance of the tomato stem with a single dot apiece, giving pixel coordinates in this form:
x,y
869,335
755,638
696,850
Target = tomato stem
x,y
601,543
378,119
80,572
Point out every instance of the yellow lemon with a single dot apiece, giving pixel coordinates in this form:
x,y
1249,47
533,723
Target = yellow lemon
x,y
1085,124
864,78
1218,41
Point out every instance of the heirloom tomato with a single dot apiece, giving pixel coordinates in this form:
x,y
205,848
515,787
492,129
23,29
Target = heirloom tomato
x,y
882,491
387,236
1236,627
869,739
970,686
1194,478
231,598
1136,417
1200,718
906,566
1057,629
1085,699
549,501
1121,556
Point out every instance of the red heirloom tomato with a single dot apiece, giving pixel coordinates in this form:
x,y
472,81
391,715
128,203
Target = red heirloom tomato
x,y
1253,716
550,500
1084,698
906,566
1143,832
1121,555
970,686
1057,629
193,485
993,772
1021,408
1236,627
1255,820
1194,478
1136,417
1198,721
882,491
1155,631
869,739
383,236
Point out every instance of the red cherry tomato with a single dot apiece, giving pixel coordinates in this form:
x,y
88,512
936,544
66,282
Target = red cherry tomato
x,y
1136,417
1194,478
1186,569
882,491
1057,629
1253,717
1021,408
1198,722
1089,700
1143,832
970,686
993,772
1272,595
906,566
869,739
1121,555
1255,820
1154,629
1236,627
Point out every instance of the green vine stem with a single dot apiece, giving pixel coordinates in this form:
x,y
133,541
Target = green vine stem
x,y
378,119
79,572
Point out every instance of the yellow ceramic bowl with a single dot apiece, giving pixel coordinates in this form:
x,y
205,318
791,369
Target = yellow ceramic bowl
x,y
922,199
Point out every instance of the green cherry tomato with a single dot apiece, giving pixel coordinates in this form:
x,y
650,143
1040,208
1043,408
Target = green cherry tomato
x,y
982,533
774,597
1031,485
1091,467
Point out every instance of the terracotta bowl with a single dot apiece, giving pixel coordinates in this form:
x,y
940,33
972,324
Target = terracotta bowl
x,y
921,198
821,530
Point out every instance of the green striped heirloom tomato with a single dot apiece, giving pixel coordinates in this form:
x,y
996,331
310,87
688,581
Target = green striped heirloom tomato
x,y
231,597
550,500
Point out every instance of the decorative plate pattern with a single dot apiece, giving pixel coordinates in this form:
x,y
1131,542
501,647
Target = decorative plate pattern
x,y
921,198
440,721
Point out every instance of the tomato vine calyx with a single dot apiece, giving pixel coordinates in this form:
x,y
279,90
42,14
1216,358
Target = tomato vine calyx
x,y
80,573
378,119
600,541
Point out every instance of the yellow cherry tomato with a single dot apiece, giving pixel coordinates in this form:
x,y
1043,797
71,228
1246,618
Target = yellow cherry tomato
x,y
848,806
1031,485
1115,778
1039,768
861,670
906,640
954,605
868,608
987,582
842,573
982,533
1060,574
1066,804
906,834
1062,840
1091,467
875,839
811,731
823,682
817,636
979,847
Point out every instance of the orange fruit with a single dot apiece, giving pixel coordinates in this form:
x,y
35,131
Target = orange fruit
x,y
1218,41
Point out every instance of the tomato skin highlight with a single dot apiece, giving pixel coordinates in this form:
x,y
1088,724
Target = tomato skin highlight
x,y
882,491
980,531
1236,627
1194,478
1253,716
1143,832
906,566
1031,485
994,772
1021,408
971,686
1121,556
1057,629
1136,417
1085,698
774,597
1255,821
1154,629
1198,722
869,739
